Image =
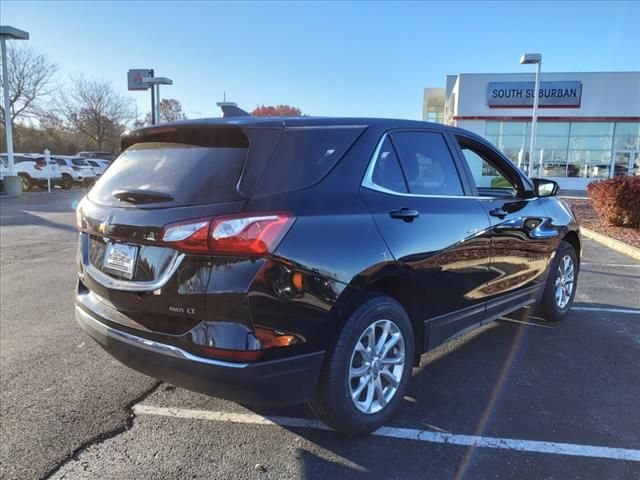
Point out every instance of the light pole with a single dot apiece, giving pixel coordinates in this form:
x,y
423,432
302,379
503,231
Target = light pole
x,y
155,82
526,59
12,184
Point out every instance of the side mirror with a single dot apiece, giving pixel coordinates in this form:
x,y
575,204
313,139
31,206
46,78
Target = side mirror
x,y
545,188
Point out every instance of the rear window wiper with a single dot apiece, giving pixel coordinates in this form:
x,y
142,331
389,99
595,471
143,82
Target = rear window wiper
x,y
142,196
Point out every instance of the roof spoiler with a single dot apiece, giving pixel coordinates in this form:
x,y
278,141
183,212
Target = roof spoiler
x,y
231,109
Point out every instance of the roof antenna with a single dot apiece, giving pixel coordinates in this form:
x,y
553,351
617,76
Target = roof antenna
x,y
231,109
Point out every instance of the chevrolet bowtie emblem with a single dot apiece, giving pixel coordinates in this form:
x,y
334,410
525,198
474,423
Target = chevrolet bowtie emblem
x,y
104,228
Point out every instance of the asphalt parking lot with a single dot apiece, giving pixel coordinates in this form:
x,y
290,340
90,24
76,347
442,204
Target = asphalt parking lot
x,y
519,398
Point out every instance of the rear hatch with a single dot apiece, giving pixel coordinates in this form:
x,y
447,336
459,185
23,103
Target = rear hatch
x,y
157,181
81,166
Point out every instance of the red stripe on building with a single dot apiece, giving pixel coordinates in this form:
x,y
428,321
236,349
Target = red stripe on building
x,y
547,118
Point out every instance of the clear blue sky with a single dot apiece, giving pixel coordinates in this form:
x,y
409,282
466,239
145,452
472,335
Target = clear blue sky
x,y
330,58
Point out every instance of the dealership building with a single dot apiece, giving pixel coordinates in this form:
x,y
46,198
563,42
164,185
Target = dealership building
x,y
588,123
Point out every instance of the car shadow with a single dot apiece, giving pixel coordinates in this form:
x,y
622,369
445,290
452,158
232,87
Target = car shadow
x,y
24,218
58,201
515,377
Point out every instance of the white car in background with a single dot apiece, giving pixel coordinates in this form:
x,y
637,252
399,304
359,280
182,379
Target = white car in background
x,y
98,164
32,170
75,171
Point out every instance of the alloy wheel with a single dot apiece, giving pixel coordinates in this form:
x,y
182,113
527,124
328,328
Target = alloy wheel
x,y
376,366
564,281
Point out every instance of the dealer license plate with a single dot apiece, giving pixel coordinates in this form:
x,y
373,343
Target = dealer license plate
x,y
120,258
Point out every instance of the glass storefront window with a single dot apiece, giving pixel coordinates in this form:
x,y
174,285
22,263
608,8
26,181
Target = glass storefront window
x,y
592,128
589,163
507,128
586,143
573,149
552,129
552,143
627,135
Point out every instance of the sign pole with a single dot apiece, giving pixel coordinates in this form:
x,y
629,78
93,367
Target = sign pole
x,y
153,102
158,120
534,117
47,160
7,112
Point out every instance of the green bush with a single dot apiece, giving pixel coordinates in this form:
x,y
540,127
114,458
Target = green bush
x,y
500,182
617,200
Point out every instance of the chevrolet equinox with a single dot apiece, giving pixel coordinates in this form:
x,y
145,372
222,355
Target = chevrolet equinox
x,y
275,261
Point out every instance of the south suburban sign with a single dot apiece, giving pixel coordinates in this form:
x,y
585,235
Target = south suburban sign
x,y
520,94
134,78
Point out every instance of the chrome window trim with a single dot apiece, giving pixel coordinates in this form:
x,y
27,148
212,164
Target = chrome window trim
x,y
367,182
325,127
86,321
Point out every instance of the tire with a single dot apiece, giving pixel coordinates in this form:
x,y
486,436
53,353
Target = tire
x,y
333,403
67,182
555,304
27,183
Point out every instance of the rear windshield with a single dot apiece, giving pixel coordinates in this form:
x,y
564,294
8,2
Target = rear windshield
x,y
303,156
93,164
80,161
192,175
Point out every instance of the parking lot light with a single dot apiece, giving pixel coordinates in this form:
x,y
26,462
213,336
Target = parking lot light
x,y
12,185
527,59
155,82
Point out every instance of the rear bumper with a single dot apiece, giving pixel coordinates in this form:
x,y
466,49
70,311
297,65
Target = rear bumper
x,y
270,383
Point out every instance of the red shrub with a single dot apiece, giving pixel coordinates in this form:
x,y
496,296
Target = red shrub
x,y
617,200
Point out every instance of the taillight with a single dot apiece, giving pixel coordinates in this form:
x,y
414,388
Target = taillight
x,y
189,237
37,166
248,234
238,235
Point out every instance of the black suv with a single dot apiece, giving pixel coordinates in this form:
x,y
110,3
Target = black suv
x,y
277,261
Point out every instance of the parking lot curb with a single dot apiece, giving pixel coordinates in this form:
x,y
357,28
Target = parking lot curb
x,y
612,243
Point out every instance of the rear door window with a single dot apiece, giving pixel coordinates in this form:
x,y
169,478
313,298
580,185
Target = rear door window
x,y
427,163
387,172
81,162
303,156
191,175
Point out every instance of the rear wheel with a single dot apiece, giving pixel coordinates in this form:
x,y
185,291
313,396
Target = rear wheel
x,y
560,288
366,373
67,181
27,183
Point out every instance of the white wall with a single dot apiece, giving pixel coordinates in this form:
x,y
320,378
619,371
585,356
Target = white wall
x,y
604,94
475,126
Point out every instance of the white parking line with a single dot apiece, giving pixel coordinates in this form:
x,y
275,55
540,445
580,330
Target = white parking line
x,y
611,310
594,264
404,433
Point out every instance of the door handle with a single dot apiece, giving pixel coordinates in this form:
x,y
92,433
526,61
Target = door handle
x,y
405,214
498,212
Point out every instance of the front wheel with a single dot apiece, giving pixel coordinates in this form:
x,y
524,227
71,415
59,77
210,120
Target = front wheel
x,y
67,182
560,288
367,372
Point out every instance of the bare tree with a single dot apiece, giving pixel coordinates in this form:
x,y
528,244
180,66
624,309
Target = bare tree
x,y
93,108
31,80
170,111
